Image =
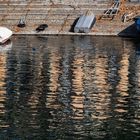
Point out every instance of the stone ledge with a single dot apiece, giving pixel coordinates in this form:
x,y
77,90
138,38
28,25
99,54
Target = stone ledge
x,y
59,25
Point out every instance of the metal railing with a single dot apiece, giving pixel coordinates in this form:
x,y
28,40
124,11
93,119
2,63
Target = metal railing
x,y
112,11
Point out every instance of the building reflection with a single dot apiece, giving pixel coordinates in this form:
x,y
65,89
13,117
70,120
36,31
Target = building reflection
x,y
101,86
122,87
77,86
52,105
4,48
135,90
3,58
77,93
54,73
63,89
97,102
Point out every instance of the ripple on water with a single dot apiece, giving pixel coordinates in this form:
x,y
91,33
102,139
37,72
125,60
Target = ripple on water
x,y
70,87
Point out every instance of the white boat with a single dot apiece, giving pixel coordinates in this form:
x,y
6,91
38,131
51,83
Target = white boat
x,y
5,34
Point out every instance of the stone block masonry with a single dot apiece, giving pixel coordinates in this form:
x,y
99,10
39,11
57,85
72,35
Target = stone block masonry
x,y
60,16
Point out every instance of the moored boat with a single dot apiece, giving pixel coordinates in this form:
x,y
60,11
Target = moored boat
x,y
5,34
137,22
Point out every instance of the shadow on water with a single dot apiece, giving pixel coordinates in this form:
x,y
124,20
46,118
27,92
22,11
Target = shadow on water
x,y
70,87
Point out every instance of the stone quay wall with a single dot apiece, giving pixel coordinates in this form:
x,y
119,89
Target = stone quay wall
x,y
60,16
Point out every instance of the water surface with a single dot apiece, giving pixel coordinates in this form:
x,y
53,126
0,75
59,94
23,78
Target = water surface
x,y
70,88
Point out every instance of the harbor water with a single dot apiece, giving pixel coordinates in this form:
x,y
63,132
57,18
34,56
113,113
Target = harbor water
x,y
70,88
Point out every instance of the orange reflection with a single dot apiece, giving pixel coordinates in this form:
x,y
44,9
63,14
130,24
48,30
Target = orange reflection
x,y
2,87
54,79
123,84
102,103
78,79
34,98
54,72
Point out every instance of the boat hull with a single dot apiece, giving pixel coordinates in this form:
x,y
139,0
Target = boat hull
x,y
137,22
5,34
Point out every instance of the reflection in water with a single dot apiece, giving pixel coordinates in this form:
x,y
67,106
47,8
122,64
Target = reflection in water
x,y
70,87
4,48
2,90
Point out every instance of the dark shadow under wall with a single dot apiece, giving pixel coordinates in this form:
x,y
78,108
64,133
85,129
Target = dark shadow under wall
x,y
73,25
130,31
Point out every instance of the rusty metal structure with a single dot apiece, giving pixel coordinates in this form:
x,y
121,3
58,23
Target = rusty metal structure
x,y
112,11
124,8
128,11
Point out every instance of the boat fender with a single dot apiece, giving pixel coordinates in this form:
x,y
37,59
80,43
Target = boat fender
x,y
41,27
21,23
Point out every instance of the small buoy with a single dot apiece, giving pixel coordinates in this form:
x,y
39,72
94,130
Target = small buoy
x,y
33,49
21,23
41,27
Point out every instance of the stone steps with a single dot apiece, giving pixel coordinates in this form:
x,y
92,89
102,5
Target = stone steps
x,y
59,17
53,1
59,9
47,12
37,7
